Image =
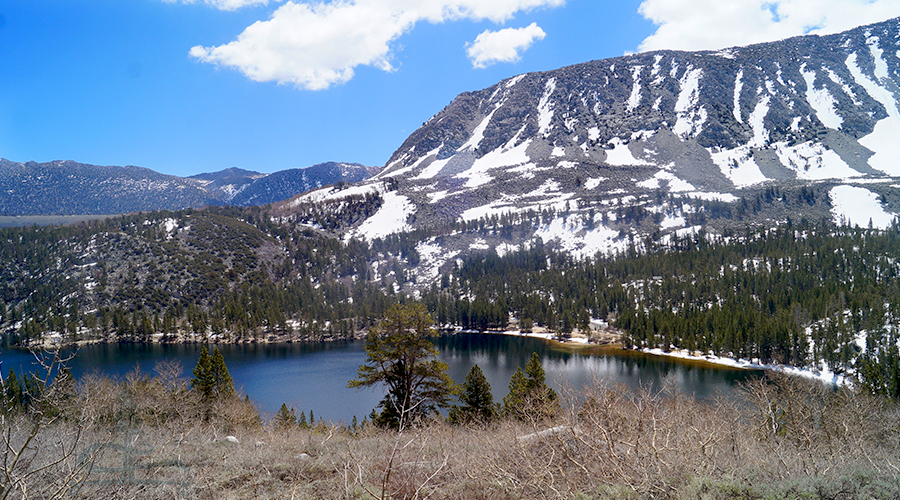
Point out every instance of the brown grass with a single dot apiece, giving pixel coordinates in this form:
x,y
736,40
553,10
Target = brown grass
x,y
786,439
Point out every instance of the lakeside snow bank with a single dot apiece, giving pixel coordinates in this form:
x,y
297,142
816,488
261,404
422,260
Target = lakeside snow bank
x,y
822,374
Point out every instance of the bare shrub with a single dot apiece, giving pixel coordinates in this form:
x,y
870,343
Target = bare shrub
x,y
785,439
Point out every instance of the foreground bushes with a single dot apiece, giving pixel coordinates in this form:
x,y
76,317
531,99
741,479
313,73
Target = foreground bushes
x,y
145,437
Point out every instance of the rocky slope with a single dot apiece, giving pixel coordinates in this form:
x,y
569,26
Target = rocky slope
x,y
596,155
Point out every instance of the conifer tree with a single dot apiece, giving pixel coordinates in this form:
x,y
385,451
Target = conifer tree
x,y
518,391
285,418
529,395
477,401
400,356
224,385
211,379
14,396
203,381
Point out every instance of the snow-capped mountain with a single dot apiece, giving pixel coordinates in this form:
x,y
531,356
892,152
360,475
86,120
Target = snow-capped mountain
x,y
71,188
594,155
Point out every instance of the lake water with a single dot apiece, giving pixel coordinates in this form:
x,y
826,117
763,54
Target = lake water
x,y
314,376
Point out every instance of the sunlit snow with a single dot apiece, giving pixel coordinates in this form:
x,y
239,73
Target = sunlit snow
x,y
760,133
676,185
507,155
635,98
858,206
571,236
621,156
546,113
739,166
431,170
738,86
883,140
389,219
821,101
690,120
812,161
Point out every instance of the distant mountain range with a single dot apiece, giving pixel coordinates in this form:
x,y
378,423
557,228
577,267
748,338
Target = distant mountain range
x,y
586,158
70,188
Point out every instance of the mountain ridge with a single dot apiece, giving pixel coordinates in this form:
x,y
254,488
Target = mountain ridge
x,y
659,144
66,187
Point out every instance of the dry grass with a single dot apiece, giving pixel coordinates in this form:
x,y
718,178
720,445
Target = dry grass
x,y
786,439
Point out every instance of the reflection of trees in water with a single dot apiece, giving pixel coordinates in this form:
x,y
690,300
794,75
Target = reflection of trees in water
x,y
500,355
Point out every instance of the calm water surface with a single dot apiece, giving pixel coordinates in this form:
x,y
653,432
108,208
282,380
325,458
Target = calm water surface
x,y
314,376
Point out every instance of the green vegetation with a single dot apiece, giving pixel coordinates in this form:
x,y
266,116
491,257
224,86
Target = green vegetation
x,y
145,436
529,397
211,378
803,293
400,356
477,401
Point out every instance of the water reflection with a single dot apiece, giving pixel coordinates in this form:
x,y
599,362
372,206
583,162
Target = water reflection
x,y
313,376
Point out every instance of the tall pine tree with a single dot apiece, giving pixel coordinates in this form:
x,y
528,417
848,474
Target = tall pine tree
x,y
477,401
529,395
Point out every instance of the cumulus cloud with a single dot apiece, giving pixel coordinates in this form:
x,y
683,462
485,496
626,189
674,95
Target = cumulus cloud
x,y
317,45
506,45
716,24
223,4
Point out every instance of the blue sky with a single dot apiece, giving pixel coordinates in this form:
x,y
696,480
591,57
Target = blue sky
x,y
191,86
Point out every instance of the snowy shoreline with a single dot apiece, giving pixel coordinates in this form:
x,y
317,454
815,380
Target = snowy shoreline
x,y
821,374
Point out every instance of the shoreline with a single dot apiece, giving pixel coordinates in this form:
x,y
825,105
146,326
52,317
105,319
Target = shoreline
x,y
576,341
820,374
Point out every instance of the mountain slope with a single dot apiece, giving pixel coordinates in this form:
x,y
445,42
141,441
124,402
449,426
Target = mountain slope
x,y
284,184
596,154
71,188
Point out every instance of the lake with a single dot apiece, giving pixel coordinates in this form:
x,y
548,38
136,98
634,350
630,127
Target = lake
x,y
313,376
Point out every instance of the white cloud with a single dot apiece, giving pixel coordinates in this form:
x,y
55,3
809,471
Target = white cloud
x,y
317,45
223,4
716,24
506,45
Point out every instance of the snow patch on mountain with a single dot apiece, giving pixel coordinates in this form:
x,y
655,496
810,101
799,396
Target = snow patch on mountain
x,y
478,134
675,184
571,235
821,101
859,206
690,120
738,165
390,218
757,123
431,257
882,140
621,155
545,109
812,161
635,98
509,155
738,87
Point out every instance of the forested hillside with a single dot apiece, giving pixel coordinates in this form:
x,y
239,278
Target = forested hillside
x,y
805,294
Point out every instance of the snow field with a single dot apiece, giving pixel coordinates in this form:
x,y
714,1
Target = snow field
x,y
621,156
812,161
858,205
821,101
390,218
882,140
738,165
